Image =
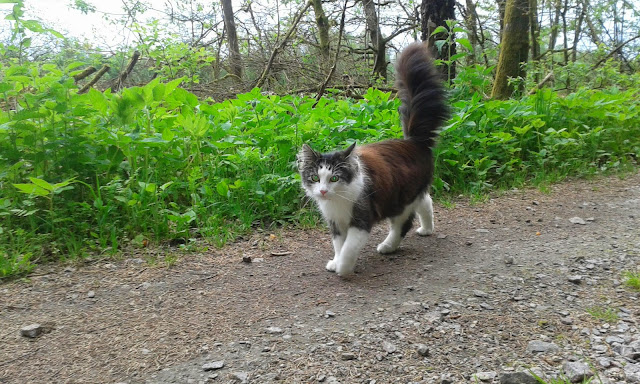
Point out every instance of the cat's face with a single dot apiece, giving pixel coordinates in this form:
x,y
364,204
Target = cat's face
x,y
326,176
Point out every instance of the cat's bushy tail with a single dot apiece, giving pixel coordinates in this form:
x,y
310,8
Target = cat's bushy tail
x,y
420,88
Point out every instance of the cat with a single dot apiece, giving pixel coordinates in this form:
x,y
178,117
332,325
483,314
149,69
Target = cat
x,y
358,187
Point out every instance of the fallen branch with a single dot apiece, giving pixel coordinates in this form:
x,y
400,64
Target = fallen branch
x,y
616,49
123,76
265,72
540,84
105,68
84,74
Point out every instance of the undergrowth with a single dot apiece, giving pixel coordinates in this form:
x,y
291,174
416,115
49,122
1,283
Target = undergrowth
x,y
83,173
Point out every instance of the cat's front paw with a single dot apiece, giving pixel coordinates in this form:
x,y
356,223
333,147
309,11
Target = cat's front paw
x,y
345,270
331,265
424,231
386,248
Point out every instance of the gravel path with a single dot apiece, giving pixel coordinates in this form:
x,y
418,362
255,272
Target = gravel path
x,y
525,282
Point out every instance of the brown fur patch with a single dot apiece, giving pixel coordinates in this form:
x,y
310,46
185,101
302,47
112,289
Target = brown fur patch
x,y
399,172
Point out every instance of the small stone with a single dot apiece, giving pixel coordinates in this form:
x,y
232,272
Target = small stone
x,y
479,293
388,347
517,378
246,259
482,230
329,314
145,285
576,371
212,366
441,236
423,350
604,362
485,376
509,260
537,346
239,377
566,320
486,306
348,356
32,330
577,220
575,279
274,330
614,339
91,294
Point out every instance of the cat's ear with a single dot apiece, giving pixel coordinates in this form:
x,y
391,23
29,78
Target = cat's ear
x,y
309,152
348,151
307,155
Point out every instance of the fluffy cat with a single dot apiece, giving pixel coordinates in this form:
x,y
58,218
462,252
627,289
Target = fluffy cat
x,y
358,187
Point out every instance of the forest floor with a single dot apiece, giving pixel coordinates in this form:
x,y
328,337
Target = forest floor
x,y
511,284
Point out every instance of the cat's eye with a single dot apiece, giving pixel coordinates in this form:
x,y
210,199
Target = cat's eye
x,y
334,178
315,178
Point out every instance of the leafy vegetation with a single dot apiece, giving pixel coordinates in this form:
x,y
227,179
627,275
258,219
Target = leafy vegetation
x,y
606,314
85,173
632,279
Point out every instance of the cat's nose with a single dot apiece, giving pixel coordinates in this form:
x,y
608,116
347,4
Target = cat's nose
x,y
323,191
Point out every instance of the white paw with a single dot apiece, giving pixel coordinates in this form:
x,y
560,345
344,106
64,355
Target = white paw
x,y
386,248
422,231
331,265
345,270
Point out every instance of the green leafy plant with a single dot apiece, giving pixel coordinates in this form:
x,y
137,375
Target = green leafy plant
x,y
632,279
607,314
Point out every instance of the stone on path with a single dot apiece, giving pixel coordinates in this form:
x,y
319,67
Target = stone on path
x,y
32,330
577,220
576,371
537,346
517,378
213,365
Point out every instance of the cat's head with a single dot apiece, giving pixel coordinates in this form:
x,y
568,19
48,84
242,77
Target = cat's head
x,y
326,176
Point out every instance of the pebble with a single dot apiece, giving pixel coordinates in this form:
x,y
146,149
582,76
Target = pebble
x,y
239,377
485,376
91,294
577,220
348,356
274,330
32,331
212,366
575,279
576,371
538,346
479,293
388,347
423,350
517,378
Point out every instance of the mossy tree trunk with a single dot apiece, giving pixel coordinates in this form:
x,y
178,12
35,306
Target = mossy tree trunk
x,y
322,22
514,48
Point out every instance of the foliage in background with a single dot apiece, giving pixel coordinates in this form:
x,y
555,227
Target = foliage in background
x,y
82,172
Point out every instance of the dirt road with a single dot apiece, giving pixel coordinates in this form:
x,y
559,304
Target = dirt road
x,y
463,305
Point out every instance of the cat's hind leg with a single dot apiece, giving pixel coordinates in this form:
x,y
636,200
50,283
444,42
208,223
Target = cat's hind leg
x,y
398,228
425,215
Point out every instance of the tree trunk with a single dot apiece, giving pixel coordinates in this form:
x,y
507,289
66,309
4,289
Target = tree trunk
x,y
535,28
322,22
377,42
554,26
578,32
470,20
434,14
501,8
514,48
235,60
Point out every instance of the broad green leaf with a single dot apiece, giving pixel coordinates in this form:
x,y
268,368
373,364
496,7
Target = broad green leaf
x,y
32,189
465,43
42,184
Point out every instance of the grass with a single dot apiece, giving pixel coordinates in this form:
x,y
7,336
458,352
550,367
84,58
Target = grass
x,y
84,173
606,314
632,279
